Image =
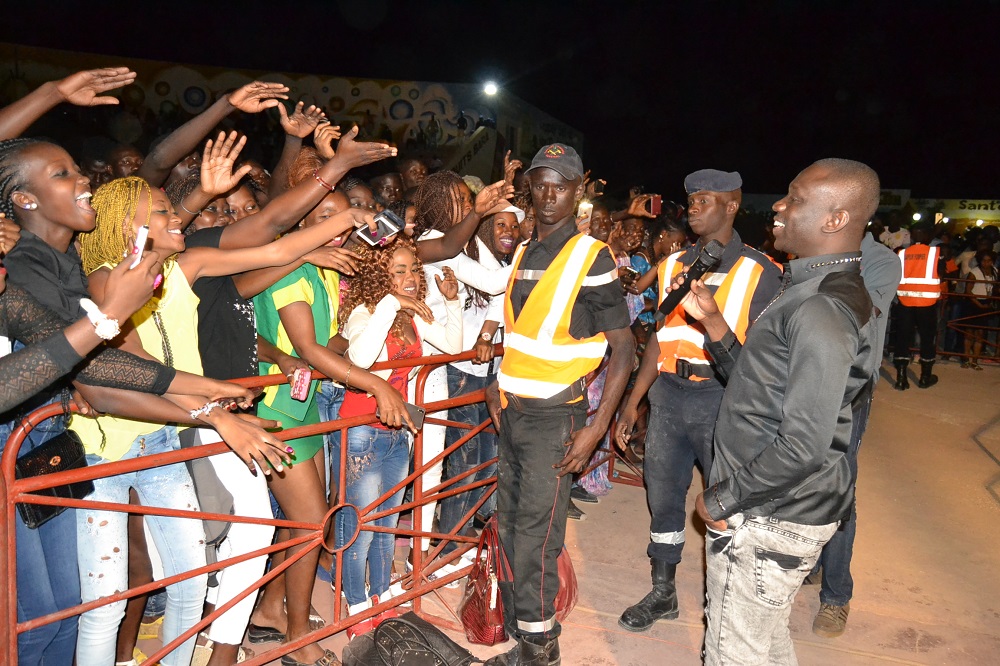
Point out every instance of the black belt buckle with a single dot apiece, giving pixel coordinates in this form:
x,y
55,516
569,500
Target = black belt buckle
x,y
684,370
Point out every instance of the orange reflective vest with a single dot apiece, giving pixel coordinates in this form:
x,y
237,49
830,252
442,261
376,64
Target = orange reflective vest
x,y
541,358
920,285
680,338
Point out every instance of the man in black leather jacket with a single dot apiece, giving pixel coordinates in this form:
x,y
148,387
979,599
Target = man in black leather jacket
x,y
781,482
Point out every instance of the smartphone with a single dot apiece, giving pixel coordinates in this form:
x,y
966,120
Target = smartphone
x,y
416,414
655,204
140,244
628,274
300,384
584,209
389,224
598,186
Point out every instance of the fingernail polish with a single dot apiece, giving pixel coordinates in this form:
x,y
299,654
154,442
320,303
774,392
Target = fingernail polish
x,y
158,281
289,449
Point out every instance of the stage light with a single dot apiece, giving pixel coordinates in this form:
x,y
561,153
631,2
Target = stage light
x,y
945,220
916,217
490,88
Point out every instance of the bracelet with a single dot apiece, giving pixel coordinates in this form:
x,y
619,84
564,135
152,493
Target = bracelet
x,y
347,379
189,212
205,410
715,491
321,181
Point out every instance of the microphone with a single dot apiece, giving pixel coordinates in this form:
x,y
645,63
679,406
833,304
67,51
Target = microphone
x,y
709,258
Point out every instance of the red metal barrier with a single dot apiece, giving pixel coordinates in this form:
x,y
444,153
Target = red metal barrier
x,y
17,491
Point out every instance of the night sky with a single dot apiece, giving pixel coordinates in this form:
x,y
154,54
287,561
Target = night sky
x,y
659,89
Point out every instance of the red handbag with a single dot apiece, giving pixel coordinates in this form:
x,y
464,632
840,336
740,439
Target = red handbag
x,y
481,609
568,591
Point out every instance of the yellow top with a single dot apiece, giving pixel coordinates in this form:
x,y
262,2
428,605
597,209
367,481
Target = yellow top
x,y
177,307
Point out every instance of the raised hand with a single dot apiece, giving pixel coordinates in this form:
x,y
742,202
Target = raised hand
x,y
415,308
335,258
323,138
10,233
494,198
129,289
359,153
449,285
301,123
590,188
637,207
256,96
218,159
85,88
510,168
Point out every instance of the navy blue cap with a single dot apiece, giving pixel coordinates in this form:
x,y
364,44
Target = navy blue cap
x,y
712,180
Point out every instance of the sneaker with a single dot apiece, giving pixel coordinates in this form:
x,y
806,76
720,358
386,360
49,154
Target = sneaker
x,y
574,512
581,494
831,621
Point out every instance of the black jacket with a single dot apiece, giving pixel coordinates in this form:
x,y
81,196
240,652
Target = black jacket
x,y
785,421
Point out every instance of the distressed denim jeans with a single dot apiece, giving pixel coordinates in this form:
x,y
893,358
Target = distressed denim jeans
x,y
102,544
377,460
754,570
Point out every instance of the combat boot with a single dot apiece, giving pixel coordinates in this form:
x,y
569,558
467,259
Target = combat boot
x,y
927,379
902,383
659,604
530,651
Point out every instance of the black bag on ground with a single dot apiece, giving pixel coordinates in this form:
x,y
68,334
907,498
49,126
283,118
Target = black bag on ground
x,y
406,641
62,452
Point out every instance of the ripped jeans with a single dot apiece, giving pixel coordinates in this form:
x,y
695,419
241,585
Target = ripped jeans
x,y
102,545
377,460
755,568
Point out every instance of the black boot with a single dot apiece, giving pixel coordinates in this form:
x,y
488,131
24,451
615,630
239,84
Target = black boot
x,y
530,651
902,383
661,603
927,379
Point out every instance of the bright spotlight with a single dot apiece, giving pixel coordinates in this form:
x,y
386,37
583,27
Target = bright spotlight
x,y
979,223
916,217
490,88
945,220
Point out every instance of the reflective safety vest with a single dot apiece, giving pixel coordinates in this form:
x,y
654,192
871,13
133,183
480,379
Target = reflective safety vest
x,y
540,357
920,285
680,338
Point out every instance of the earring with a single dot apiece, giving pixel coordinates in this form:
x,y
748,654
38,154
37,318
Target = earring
x,y
31,206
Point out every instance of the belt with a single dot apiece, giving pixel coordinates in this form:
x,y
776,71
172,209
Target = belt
x,y
687,369
572,392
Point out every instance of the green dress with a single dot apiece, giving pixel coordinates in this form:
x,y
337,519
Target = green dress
x,y
304,284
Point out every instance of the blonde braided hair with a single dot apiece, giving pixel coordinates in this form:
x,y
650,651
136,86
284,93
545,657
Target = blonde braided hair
x,y
113,237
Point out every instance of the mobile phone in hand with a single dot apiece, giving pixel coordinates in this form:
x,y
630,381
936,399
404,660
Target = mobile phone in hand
x,y
300,384
655,204
584,209
627,274
141,237
388,224
416,414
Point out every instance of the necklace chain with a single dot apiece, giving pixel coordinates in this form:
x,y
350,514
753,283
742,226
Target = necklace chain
x,y
845,260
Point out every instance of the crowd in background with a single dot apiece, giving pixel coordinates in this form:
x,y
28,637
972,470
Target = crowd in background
x,y
256,268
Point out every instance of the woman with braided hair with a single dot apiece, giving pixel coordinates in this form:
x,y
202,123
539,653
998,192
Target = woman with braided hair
x,y
123,207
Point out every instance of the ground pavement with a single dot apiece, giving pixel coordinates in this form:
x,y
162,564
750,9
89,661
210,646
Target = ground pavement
x,y
926,556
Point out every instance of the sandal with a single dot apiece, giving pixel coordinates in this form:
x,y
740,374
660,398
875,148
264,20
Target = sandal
x,y
258,634
328,659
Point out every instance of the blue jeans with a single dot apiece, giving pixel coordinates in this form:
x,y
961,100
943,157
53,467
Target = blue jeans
x,y
755,568
328,401
682,417
47,576
377,460
102,538
838,585
475,452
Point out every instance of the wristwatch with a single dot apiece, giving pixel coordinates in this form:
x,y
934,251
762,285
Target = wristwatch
x,y
486,336
105,327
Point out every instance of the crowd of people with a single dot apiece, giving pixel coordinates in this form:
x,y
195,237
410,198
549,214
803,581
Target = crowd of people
x,y
136,285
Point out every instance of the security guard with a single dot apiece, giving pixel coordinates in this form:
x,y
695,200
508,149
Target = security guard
x,y
679,374
564,308
919,293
